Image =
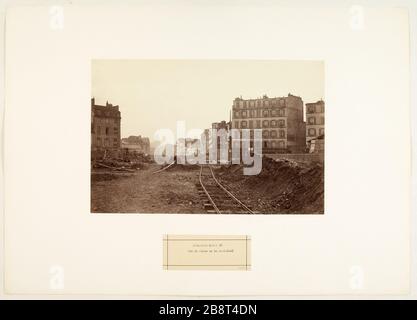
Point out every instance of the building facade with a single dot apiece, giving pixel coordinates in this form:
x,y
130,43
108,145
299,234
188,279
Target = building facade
x,y
222,125
280,118
105,126
314,120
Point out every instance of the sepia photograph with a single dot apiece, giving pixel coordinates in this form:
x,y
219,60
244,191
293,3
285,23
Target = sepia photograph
x,y
207,136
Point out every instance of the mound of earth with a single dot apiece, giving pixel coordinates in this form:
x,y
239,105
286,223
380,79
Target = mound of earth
x,y
282,186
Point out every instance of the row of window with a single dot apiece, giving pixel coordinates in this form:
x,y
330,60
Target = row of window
x,y
259,103
106,120
104,130
273,144
319,108
267,134
273,134
314,120
259,113
107,113
107,143
258,124
312,132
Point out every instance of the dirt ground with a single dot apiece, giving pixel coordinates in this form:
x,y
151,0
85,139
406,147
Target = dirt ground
x,y
145,192
282,187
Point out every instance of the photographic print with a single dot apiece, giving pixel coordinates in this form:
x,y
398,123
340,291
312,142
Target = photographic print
x,y
207,136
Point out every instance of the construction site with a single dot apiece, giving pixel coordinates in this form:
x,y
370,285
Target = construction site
x,y
125,178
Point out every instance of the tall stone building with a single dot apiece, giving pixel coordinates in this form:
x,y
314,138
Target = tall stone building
x,y
105,126
280,118
315,120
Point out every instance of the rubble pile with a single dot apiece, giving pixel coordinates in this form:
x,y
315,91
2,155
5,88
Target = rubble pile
x,y
118,165
285,185
124,161
136,157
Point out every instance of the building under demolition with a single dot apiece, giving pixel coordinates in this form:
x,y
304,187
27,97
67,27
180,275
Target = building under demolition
x,y
280,118
105,126
315,120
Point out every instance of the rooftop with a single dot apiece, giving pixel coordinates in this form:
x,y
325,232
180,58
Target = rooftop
x,y
265,97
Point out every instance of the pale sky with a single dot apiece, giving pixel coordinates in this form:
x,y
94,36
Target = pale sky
x,y
154,94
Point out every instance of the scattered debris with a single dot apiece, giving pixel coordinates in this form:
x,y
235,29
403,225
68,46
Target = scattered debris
x,y
124,161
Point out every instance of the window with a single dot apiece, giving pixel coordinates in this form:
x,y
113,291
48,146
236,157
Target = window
x,y
252,113
273,123
311,120
322,108
273,134
281,112
241,104
311,132
266,103
274,144
265,113
265,123
244,114
251,124
236,114
273,113
258,124
281,123
258,113
265,133
115,140
322,120
282,134
310,109
281,144
107,131
243,124
236,124
274,102
252,103
281,102
321,131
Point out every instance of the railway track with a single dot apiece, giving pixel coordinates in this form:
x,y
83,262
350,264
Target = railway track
x,y
217,198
